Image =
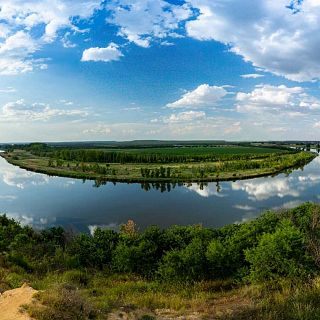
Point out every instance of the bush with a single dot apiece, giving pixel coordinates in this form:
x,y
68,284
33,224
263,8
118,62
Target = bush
x,y
188,264
218,258
281,254
94,251
62,304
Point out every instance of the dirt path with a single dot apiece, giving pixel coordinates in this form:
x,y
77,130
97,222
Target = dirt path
x,y
11,301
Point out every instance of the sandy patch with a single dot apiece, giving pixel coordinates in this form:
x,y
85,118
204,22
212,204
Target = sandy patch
x,y
12,300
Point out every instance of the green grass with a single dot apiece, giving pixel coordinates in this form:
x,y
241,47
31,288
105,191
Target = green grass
x,y
63,297
104,294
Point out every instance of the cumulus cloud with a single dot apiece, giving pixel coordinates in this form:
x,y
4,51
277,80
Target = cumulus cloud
x,y
203,95
142,21
277,99
19,43
54,15
271,35
19,18
110,53
22,111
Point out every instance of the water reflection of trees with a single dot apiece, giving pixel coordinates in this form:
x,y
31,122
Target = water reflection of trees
x,y
161,186
167,187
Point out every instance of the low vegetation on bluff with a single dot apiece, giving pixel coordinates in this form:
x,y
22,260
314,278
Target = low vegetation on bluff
x,y
264,269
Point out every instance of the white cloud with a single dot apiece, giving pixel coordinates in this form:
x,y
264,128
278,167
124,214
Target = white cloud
x,y
8,90
54,15
17,44
132,109
30,220
203,95
277,99
252,76
99,129
110,53
4,30
8,197
15,52
141,21
244,207
66,41
21,111
187,116
14,66
66,102
266,33
20,17
278,129
234,128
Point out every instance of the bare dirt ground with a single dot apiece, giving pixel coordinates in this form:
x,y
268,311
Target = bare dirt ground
x,y
12,300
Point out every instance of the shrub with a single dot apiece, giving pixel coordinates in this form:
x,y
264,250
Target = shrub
x,y
188,264
62,304
94,251
218,259
281,254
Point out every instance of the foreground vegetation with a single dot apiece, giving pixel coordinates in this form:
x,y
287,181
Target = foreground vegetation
x,y
175,164
264,269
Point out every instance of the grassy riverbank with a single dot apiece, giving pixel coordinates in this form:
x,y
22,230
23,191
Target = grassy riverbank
x,y
264,269
197,164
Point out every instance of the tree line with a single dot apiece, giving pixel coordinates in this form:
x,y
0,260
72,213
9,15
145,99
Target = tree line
x,y
106,156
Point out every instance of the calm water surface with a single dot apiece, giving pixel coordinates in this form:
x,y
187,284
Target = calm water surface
x,y
42,201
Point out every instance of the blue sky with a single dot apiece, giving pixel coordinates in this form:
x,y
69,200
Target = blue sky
x,y
156,69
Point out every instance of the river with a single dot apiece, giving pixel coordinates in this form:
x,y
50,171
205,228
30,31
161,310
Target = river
x,y
43,201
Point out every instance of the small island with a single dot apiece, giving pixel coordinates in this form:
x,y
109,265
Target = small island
x,y
153,163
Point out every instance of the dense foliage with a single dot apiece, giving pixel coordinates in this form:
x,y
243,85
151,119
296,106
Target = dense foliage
x,y
273,246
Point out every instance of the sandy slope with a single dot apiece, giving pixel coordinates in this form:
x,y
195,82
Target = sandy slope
x,y
10,302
